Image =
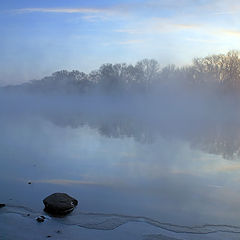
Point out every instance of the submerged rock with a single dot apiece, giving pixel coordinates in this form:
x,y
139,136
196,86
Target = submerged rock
x,y
59,203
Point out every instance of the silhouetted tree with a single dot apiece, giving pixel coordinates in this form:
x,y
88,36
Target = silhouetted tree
x,y
147,72
220,71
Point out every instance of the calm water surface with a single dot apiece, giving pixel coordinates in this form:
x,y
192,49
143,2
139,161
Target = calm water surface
x,y
127,189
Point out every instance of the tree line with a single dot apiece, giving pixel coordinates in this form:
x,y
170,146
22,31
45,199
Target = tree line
x,y
221,71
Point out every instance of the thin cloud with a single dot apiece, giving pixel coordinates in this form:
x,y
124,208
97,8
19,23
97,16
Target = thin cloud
x,y
231,33
201,40
226,13
94,18
62,10
129,31
127,42
161,24
185,26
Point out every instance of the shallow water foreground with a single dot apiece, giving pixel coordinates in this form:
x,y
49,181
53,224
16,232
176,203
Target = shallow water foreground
x,y
127,189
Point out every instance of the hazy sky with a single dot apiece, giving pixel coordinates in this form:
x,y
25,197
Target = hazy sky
x,y
39,37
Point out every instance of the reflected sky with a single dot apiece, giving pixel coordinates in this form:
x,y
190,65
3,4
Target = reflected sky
x,y
166,179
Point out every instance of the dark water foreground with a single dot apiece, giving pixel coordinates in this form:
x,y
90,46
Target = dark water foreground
x,y
133,179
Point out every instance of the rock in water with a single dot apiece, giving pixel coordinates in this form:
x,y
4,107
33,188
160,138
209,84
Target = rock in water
x,y
40,219
59,203
2,205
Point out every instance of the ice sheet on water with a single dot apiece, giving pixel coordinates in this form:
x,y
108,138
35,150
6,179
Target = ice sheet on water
x,y
102,221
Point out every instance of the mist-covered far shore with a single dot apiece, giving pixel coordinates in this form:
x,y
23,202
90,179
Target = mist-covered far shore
x,y
197,103
219,73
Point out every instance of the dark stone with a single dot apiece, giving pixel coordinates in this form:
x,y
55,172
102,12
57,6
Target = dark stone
x,y
29,182
48,236
2,205
40,219
59,203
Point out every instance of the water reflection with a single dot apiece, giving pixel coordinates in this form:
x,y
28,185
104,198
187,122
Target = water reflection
x,y
165,178
117,160
208,123
214,137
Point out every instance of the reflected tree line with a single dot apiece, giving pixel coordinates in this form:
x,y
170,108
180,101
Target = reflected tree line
x,y
210,128
198,103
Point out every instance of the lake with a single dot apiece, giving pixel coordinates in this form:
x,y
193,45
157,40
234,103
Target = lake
x,y
131,181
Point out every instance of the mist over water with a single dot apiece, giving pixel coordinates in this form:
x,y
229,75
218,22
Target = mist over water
x,y
161,162
205,120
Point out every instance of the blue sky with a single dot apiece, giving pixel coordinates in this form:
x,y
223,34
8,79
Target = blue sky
x,y
39,37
